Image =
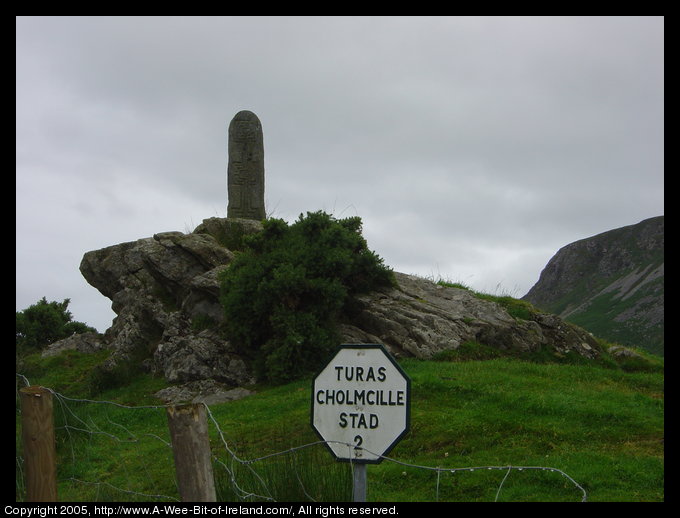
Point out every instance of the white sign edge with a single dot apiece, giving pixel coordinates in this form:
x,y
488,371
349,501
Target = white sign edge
x,y
408,404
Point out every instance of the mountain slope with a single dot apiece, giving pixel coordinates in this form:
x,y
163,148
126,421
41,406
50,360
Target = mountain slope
x,y
611,284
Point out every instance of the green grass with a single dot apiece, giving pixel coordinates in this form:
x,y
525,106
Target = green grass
x,y
590,422
604,427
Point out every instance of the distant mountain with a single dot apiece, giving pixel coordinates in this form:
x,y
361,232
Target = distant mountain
x,y
610,284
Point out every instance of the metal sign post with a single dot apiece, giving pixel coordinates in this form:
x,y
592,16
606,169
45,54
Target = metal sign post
x,y
359,476
361,407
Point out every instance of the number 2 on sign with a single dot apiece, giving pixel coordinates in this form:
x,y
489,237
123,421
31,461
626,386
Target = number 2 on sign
x,y
358,440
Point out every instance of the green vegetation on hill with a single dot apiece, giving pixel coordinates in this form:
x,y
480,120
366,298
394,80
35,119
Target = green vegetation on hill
x,y
602,426
618,317
599,421
43,323
283,294
599,317
611,284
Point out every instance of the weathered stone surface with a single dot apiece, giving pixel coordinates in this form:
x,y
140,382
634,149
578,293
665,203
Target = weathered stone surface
x,y
209,392
83,342
421,318
245,172
229,232
164,291
205,355
619,351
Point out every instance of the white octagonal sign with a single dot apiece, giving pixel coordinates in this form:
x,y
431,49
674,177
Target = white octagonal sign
x,y
361,403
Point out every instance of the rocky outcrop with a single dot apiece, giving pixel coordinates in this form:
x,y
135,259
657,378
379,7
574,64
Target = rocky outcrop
x,y
421,318
612,284
83,342
165,292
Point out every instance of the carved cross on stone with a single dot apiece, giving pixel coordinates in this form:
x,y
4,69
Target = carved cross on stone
x,y
245,172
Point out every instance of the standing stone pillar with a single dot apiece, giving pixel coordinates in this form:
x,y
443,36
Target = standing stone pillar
x,y
245,172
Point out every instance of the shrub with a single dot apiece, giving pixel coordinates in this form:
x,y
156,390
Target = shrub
x,y
283,295
43,323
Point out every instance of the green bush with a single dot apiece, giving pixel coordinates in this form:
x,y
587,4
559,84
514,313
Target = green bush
x,y
284,294
43,323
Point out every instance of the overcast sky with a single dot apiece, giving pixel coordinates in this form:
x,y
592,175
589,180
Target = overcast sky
x,y
473,148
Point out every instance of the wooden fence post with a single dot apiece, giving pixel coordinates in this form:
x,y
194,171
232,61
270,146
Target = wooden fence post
x,y
37,434
191,449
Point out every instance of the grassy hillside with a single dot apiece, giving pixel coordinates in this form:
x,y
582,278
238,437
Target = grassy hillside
x,y
601,425
611,284
600,318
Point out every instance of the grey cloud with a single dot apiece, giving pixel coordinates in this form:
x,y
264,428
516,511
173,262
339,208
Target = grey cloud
x,y
470,146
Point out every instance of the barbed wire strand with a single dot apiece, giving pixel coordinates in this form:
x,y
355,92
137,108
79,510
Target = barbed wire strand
x,y
503,482
93,429
236,458
111,486
245,494
297,476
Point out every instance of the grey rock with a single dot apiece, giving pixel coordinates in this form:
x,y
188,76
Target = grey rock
x,y
421,318
187,357
159,287
84,342
229,232
208,392
619,351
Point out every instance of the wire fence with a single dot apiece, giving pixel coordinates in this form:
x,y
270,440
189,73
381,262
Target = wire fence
x,y
104,449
